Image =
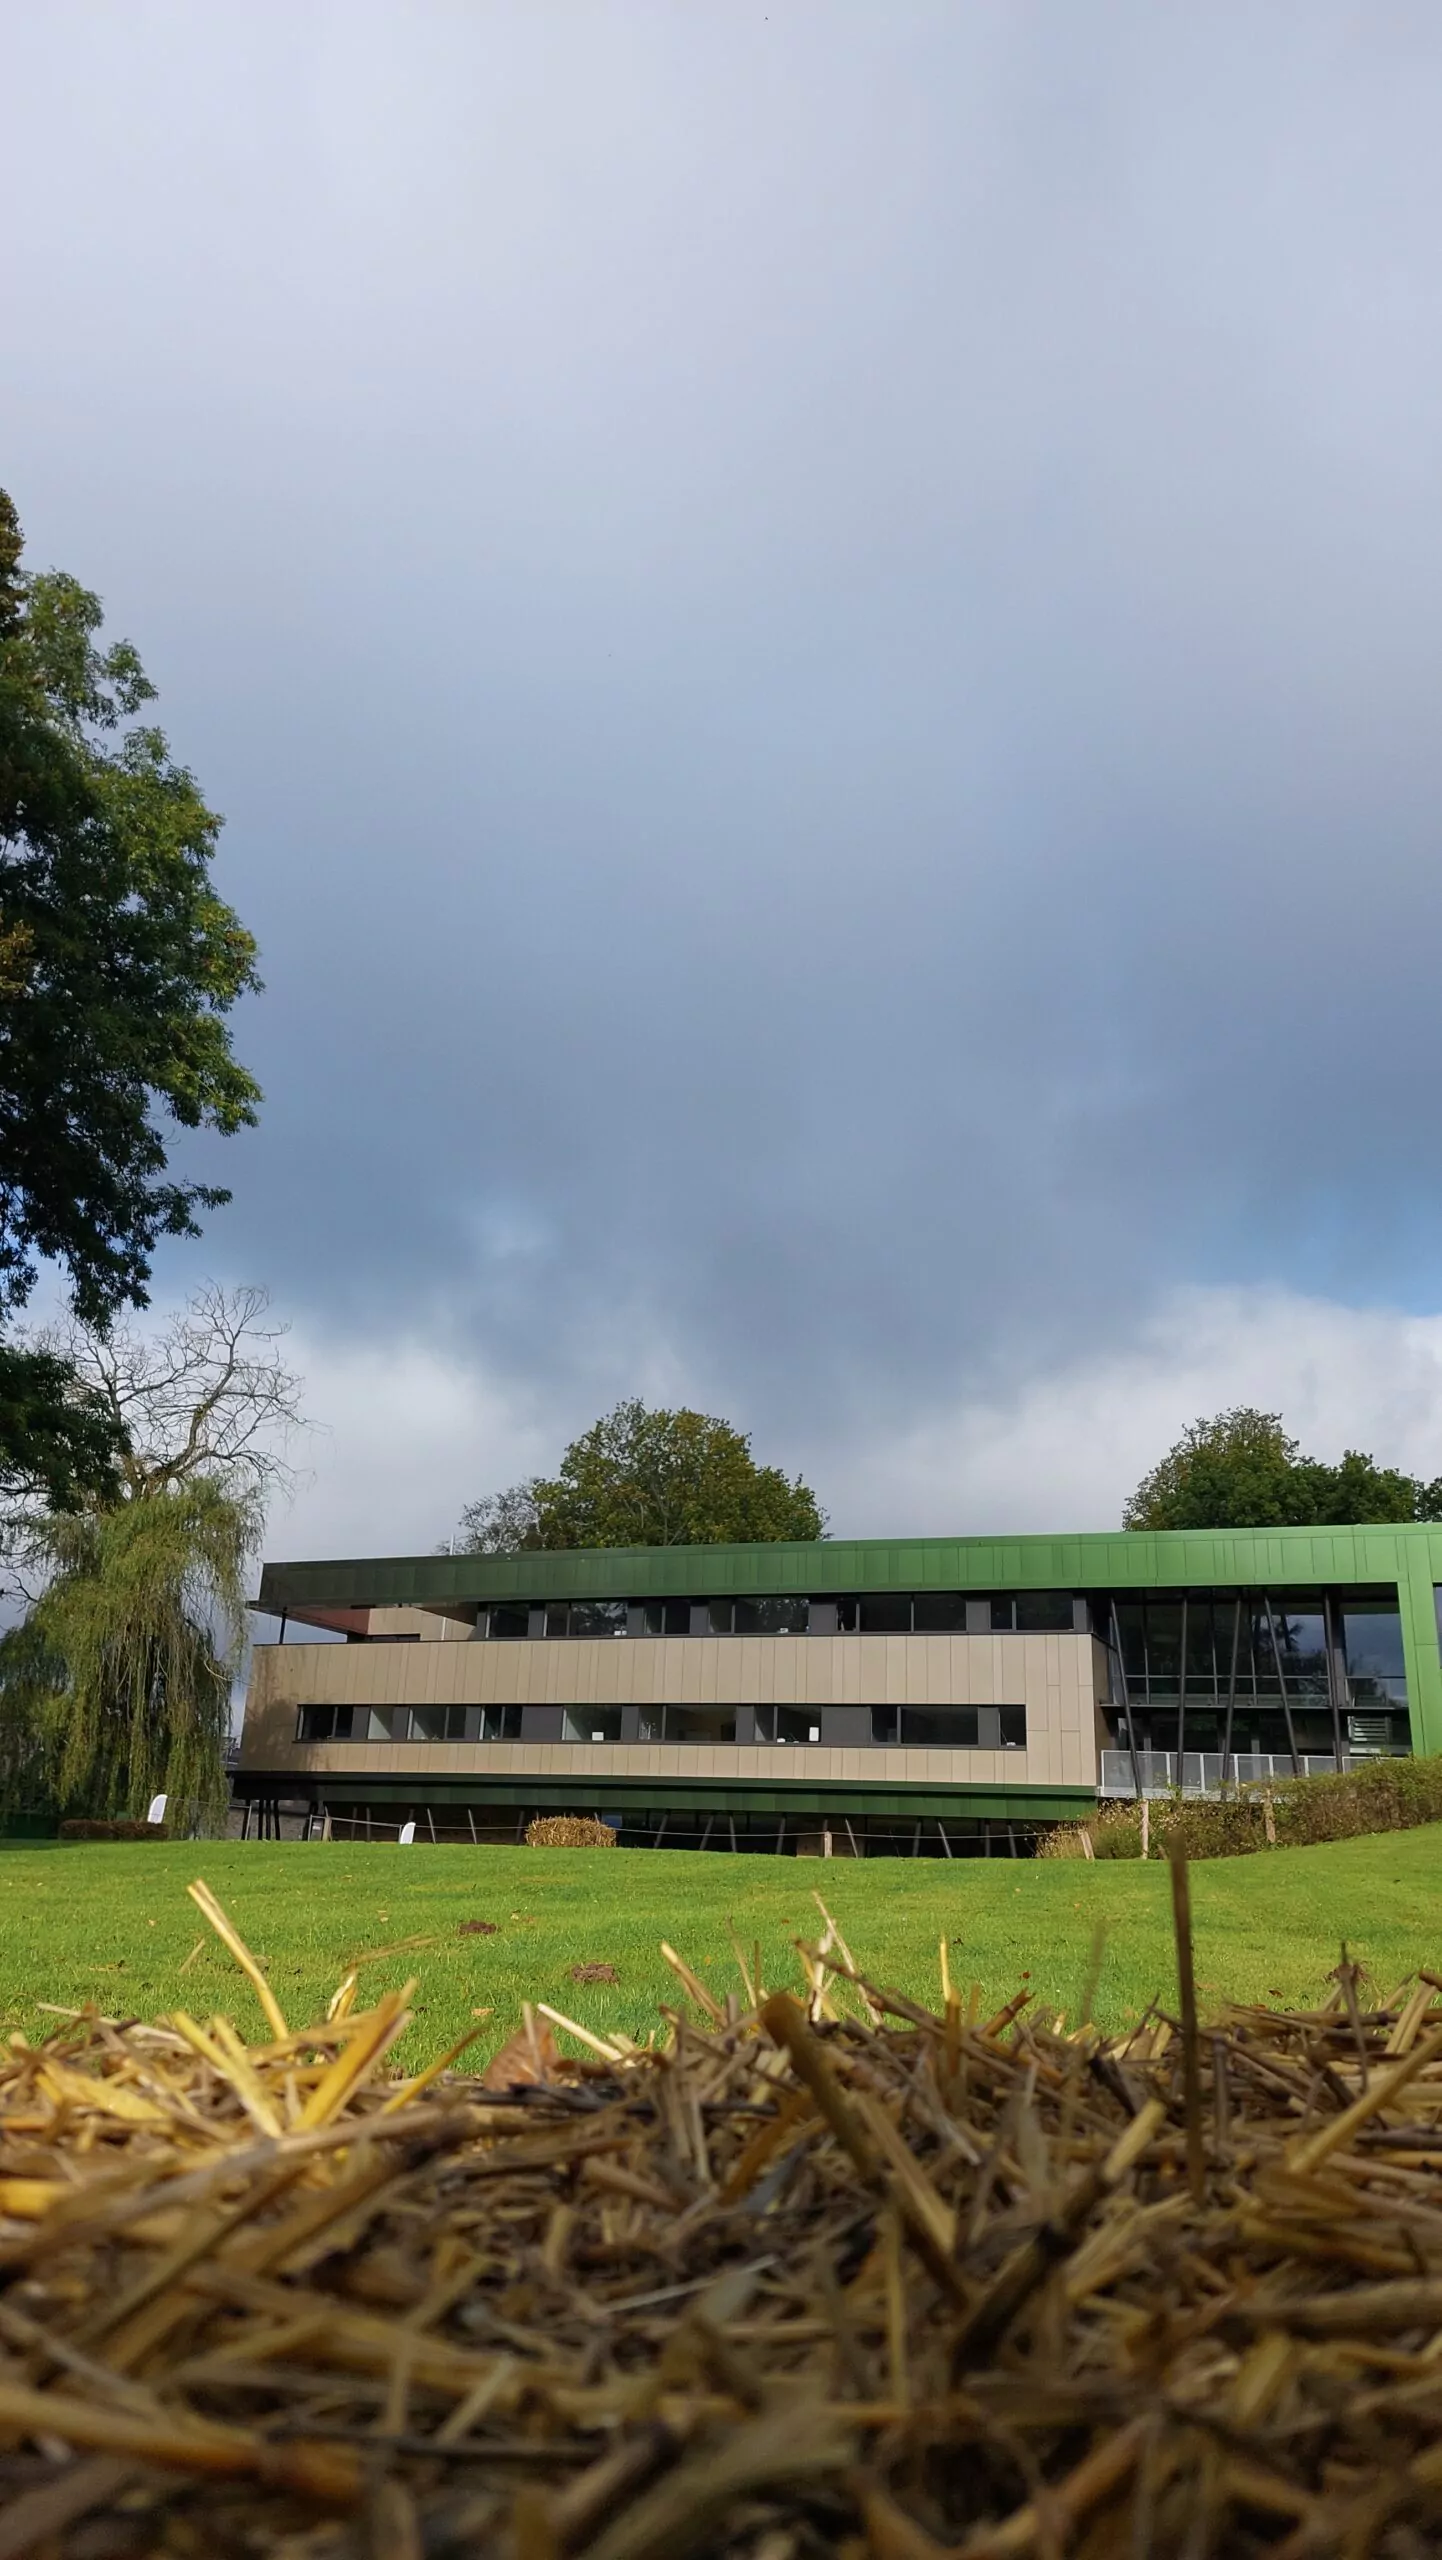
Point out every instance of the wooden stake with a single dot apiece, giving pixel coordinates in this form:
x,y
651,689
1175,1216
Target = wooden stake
x,y
1191,2042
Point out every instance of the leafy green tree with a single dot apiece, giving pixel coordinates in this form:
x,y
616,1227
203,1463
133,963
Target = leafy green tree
x,y
645,1477
118,965
57,1442
1241,1470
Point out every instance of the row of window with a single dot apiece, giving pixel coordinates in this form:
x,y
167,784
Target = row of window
x,y
881,1613
911,1728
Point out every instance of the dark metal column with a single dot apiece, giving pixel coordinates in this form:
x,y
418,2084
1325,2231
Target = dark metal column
x,y
1336,1674
1182,1692
1126,1701
1282,1685
1232,1687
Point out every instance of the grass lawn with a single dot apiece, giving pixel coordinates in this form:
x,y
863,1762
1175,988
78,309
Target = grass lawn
x,y
113,1925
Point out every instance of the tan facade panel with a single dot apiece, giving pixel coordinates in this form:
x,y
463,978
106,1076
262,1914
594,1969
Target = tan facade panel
x,y
1057,1678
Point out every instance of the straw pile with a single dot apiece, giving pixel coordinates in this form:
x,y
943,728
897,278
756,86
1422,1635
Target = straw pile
x,y
815,2274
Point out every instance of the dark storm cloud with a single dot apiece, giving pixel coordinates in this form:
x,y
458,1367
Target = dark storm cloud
x,y
820,631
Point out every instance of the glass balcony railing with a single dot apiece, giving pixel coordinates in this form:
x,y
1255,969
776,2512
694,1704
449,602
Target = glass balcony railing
x,y
1202,1773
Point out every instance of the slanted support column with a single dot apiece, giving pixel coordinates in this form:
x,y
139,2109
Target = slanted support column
x,y
1282,1685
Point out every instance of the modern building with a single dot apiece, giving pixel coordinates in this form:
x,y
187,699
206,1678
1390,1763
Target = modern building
x,y
929,1696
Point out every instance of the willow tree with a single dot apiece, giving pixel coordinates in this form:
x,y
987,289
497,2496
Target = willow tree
x,y
116,1684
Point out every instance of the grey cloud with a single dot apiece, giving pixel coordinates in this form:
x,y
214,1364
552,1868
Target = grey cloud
x,y
819,631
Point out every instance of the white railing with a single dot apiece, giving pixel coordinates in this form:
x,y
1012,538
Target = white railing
x,y
1201,1773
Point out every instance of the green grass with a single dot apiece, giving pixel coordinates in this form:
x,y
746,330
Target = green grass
x,y
113,1925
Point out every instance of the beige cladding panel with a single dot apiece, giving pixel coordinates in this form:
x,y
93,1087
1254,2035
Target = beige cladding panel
x,y
1057,1678
816,1671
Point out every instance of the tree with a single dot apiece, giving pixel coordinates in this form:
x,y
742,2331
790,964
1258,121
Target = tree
x,y
502,1524
1240,1470
57,1443
644,1477
118,965
116,1685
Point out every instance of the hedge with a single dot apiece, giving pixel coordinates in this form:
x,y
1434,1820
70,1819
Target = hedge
x,y
1286,1813
80,1827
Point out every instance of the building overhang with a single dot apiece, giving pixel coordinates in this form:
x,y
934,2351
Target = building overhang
x,y
659,1795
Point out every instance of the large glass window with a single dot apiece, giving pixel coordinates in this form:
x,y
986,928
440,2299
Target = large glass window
x,y
324,1724
508,1619
885,1613
688,1724
592,1724
1301,1639
458,1724
950,1728
661,1618
408,1724
1032,1613
597,1618
786,1616
788,1724
351,1724
445,1724
939,1613
939,1729
1376,1665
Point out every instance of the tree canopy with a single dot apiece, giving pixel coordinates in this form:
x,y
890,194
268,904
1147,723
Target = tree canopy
x,y
645,1477
118,964
1241,1470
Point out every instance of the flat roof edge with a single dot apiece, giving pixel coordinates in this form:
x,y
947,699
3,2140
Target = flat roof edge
x,y
1365,1552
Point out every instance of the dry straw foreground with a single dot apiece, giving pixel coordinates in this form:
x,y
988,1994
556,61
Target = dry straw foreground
x,y
813,2274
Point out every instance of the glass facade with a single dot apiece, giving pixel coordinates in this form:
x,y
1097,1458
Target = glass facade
x,y
1310,1672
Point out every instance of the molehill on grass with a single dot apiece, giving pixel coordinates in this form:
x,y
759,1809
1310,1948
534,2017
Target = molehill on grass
x,y
817,2269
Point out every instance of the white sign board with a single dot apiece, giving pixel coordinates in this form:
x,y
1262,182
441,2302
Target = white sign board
x,y
157,1808
408,1833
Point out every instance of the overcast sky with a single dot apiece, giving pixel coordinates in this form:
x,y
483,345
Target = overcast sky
x,y
819,629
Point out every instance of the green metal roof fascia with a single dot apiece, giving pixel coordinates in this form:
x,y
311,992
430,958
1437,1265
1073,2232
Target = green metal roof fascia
x,y
1020,1803
1121,1559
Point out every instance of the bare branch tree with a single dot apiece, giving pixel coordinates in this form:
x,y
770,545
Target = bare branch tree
x,y
208,1396
500,1523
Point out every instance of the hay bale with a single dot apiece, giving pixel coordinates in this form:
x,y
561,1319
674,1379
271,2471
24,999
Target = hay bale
x,y
823,2271
569,1831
